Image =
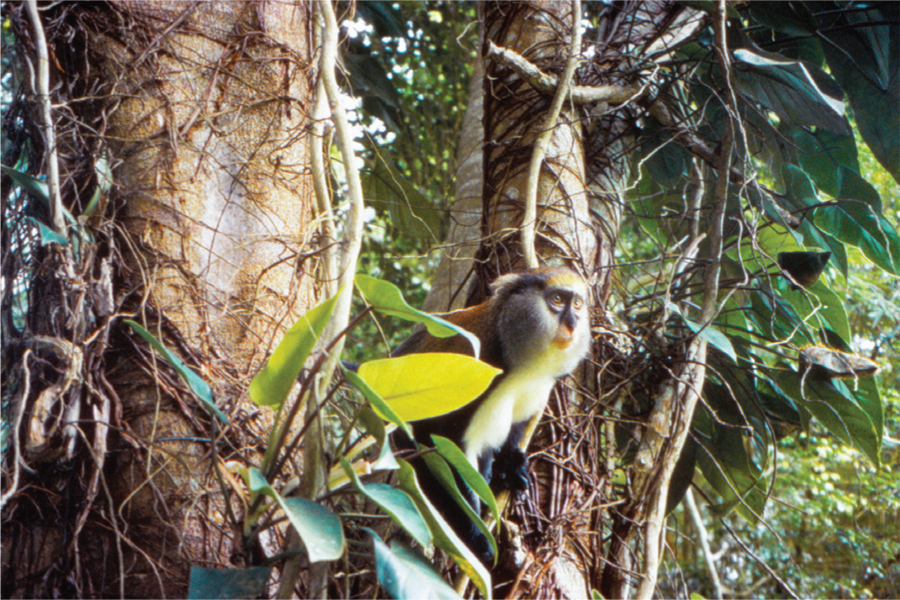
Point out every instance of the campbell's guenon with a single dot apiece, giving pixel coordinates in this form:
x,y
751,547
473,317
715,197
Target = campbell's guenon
x,y
536,328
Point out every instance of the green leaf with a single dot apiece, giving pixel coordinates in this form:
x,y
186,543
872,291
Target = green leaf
x,y
395,503
227,583
854,187
410,210
48,236
381,407
421,386
826,157
404,573
667,163
723,459
34,186
776,320
195,383
712,335
318,527
374,425
856,223
798,92
273,383
445,477
444,537
835,406
468,472
386,298
818,300
861,50
792,18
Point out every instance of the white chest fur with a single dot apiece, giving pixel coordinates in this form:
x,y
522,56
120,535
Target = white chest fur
x,y
518,397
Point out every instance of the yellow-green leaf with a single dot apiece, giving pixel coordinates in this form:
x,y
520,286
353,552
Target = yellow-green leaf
x,y
274,382
421,386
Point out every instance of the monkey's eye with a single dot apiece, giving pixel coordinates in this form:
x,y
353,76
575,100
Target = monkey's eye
x,y
557,300
577,303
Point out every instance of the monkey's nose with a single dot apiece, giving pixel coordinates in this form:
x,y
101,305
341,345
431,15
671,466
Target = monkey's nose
x,y
563,336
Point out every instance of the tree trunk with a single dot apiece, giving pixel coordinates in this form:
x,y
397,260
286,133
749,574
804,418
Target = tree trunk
x,y
202,110
580,202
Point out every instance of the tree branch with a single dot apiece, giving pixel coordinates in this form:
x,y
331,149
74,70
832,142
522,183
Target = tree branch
x,y
42,90
580,94
315,473
704,542
671,418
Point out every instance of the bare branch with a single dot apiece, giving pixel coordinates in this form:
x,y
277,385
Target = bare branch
x,y
580,94
42,90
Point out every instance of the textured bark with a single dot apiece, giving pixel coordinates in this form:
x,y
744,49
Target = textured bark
x,y
580,206
513,112
202,108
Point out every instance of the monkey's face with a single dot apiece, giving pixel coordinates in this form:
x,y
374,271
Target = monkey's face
x,y
544,323
568,308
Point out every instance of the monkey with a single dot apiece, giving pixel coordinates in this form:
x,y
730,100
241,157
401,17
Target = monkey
x,y
535,328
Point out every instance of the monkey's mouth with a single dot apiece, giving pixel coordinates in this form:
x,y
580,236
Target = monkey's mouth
x,y
563,338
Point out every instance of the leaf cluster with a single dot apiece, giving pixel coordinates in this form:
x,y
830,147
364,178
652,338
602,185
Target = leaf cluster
x,y
398,390
799,71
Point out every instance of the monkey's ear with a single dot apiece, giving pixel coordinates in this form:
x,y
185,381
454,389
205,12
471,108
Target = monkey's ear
x,y
502,282
804,268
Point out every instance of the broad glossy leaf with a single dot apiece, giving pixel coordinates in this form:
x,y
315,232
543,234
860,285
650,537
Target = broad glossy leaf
x,y
725,464
395,503
48,236
798,92
800,194
854,187
196,384
819,303
799,186
34,186
861,50
444,537
825,156
318,527
227,583
792,18
712,335
682,475
445,477
273,383
387,298
404,573
374,425
467,471
834,405
410,210
856,223
667,162
381,407
420,386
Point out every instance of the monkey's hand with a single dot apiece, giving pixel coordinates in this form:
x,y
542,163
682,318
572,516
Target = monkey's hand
x,y
510,470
